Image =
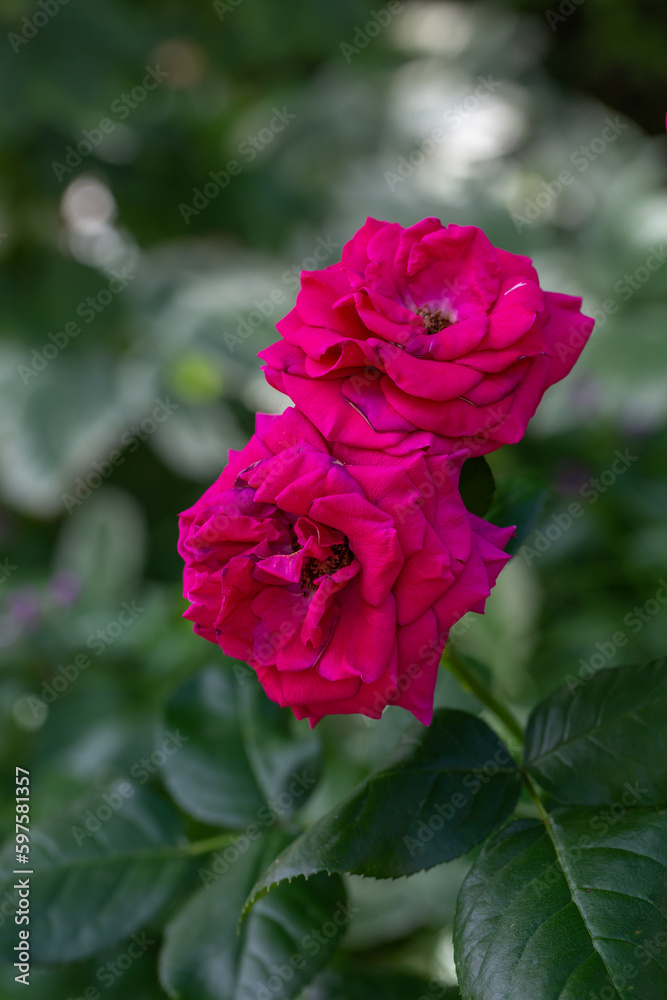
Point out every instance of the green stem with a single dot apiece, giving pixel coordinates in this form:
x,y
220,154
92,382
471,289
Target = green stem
x,y
473,683
544,815
206,846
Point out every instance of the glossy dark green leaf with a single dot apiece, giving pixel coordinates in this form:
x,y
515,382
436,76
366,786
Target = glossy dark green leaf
x,y
286,940
477,485
604,738
441,792
520,504
354,981
574,911
245,759
89,889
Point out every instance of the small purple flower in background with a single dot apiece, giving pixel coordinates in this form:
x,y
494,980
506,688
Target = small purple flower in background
x,y
25,608
65,587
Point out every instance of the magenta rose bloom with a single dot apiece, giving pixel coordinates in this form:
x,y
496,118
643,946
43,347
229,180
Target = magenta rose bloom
x,y
336,582
427,335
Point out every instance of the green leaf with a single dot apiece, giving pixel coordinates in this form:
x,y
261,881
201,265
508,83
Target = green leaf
x,y
91,890
521,504
569,911
286,940
245,758
603,739
477,485
103,544
353,981
443,790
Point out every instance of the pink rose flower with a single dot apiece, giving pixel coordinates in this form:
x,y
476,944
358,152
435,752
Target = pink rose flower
x,y
337,582
427,335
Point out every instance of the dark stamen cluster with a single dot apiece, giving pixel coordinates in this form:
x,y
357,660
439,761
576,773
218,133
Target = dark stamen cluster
x,y
314,568
433,321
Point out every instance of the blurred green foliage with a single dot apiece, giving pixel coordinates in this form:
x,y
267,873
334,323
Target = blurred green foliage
x,y
610,48
91,481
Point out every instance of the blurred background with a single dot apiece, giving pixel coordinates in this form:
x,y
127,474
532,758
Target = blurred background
x,y
166,171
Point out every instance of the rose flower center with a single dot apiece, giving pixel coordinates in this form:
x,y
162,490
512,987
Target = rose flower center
x,y
341,555
433,321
